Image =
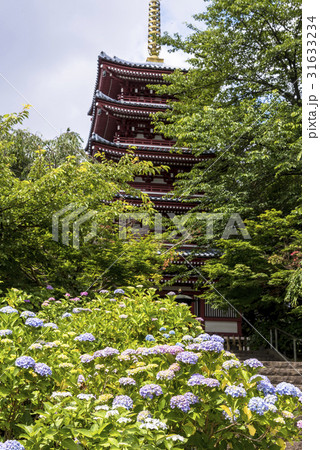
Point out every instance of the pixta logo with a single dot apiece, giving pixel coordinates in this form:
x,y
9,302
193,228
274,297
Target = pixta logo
x,y
71,225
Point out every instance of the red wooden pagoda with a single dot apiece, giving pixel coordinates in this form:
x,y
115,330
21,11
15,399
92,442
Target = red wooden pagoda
x,y
121,113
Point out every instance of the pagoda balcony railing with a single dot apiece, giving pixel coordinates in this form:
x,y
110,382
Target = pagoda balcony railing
x,y
152,188
142,99
144,142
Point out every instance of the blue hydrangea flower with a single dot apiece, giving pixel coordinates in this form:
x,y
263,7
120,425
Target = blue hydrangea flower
x,y
166,335
5,332
230,364
119,291
66,314
34,322
172,332
163,329
212,346
26,314
12,445
252,362
150,390
85,337
149,337
287,389
266,387
235,391
122,400
25,362
217,338
42,369
8,310
270,399
51,325
125,381
258,405
187,357
204,337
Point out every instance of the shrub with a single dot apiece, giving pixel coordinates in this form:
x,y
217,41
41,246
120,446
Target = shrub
x,y
95,379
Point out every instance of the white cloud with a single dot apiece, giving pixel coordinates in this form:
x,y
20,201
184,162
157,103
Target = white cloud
x,y
52,47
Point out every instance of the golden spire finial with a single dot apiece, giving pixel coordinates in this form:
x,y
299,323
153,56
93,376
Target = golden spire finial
x,y
154,31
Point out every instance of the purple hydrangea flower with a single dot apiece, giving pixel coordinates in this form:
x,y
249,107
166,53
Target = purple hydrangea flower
x,y
171,293
42,369
195,380
252,362
122,400
104,291
83,294
86,358
183,402
210,382
81,379
85,337
119,291
8,310
258,405
25,362
150,390
187,357
49,287
66,314
235,391
34,322
105,352
212,346
125,381
299,424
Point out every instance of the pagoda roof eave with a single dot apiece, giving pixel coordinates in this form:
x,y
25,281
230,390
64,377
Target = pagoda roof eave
x,y
145,65
105,97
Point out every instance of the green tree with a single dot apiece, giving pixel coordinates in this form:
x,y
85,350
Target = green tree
x,y
240,103
30,258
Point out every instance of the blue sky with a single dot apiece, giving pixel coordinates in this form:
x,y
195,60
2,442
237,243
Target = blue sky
x,y
48,55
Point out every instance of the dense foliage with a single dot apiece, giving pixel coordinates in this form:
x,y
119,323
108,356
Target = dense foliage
x,y
56,175
240,103
131,370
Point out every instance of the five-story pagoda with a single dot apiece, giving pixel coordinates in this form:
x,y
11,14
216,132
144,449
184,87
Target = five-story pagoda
x,y
121,111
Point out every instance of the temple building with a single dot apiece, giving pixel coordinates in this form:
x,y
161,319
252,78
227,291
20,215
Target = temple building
x,y
121,111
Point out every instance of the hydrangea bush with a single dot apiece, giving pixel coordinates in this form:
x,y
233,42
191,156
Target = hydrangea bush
x,y
103,374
